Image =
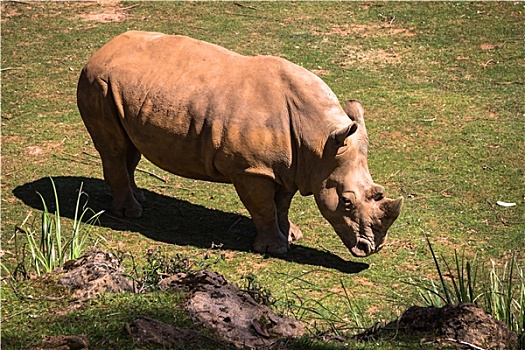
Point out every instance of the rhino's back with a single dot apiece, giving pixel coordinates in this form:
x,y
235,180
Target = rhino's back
x,y
194,108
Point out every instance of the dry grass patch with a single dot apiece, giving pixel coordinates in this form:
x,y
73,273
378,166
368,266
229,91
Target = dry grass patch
x,y
351,55
106,11
368,30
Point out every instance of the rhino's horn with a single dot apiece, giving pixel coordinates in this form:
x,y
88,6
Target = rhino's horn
x,y
393,208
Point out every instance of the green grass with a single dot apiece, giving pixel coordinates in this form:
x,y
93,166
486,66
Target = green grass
x,y
442,85
48,245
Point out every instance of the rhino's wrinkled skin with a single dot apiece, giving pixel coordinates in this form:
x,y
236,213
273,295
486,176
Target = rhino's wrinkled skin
x,y
262,123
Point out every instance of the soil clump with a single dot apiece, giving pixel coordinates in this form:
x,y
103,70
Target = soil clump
x,y
463,326
232,314
95,272
225,313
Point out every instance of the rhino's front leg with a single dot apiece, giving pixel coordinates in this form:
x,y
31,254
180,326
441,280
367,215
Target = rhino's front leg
x,y
257,194
283,199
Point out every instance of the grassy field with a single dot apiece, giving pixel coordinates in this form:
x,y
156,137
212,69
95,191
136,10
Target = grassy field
x,y
443,89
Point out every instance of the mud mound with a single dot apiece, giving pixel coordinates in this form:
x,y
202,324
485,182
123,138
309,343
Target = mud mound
x,y
234,316
466,326
95,272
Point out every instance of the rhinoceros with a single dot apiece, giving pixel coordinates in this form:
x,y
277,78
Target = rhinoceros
x,y
262,123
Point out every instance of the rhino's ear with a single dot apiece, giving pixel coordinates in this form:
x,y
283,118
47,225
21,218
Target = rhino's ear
x,y
341,134
355,110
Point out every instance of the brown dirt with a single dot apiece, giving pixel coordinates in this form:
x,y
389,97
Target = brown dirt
x,y
489,46
95,272
463,326
320,71
232,314
356,54
107,11
352,55
368,30
235,318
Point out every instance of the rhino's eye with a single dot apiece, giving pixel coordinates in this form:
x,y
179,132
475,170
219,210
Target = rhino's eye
x,y
348,200
378,196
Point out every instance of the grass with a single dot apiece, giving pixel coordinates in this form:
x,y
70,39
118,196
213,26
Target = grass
x,y
54,247
442,85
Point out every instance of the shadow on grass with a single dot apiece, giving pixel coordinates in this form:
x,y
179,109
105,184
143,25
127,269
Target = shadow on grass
x,y
171,220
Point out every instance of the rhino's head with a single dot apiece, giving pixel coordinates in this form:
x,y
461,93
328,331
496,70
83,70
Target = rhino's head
x,y
348,197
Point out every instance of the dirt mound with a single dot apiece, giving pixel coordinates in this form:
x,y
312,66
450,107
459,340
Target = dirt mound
x,y
234,316
95,272
465,325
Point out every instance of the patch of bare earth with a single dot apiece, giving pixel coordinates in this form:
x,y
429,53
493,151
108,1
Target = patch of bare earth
x,y
320,71
369,30
352,54
45,148
106,11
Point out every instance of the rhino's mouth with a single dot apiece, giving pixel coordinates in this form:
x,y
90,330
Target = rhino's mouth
x,y
365,242
362,248
365,245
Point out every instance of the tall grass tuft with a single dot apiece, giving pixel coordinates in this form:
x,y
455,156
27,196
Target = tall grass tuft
x,y
457,281
500,291
49,247
504,295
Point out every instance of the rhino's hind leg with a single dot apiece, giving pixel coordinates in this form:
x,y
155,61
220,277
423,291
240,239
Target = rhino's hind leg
x,y
257,194
283,200
132,160
100,116
124,201
116,167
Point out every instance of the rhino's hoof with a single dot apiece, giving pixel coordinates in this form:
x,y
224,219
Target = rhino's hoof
x,y
139,195
277,251
134,211
271,248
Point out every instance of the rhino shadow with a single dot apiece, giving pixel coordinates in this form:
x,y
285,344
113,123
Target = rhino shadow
x,y
170,220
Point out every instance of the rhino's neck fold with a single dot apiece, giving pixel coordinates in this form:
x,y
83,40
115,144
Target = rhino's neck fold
x,y
304,142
